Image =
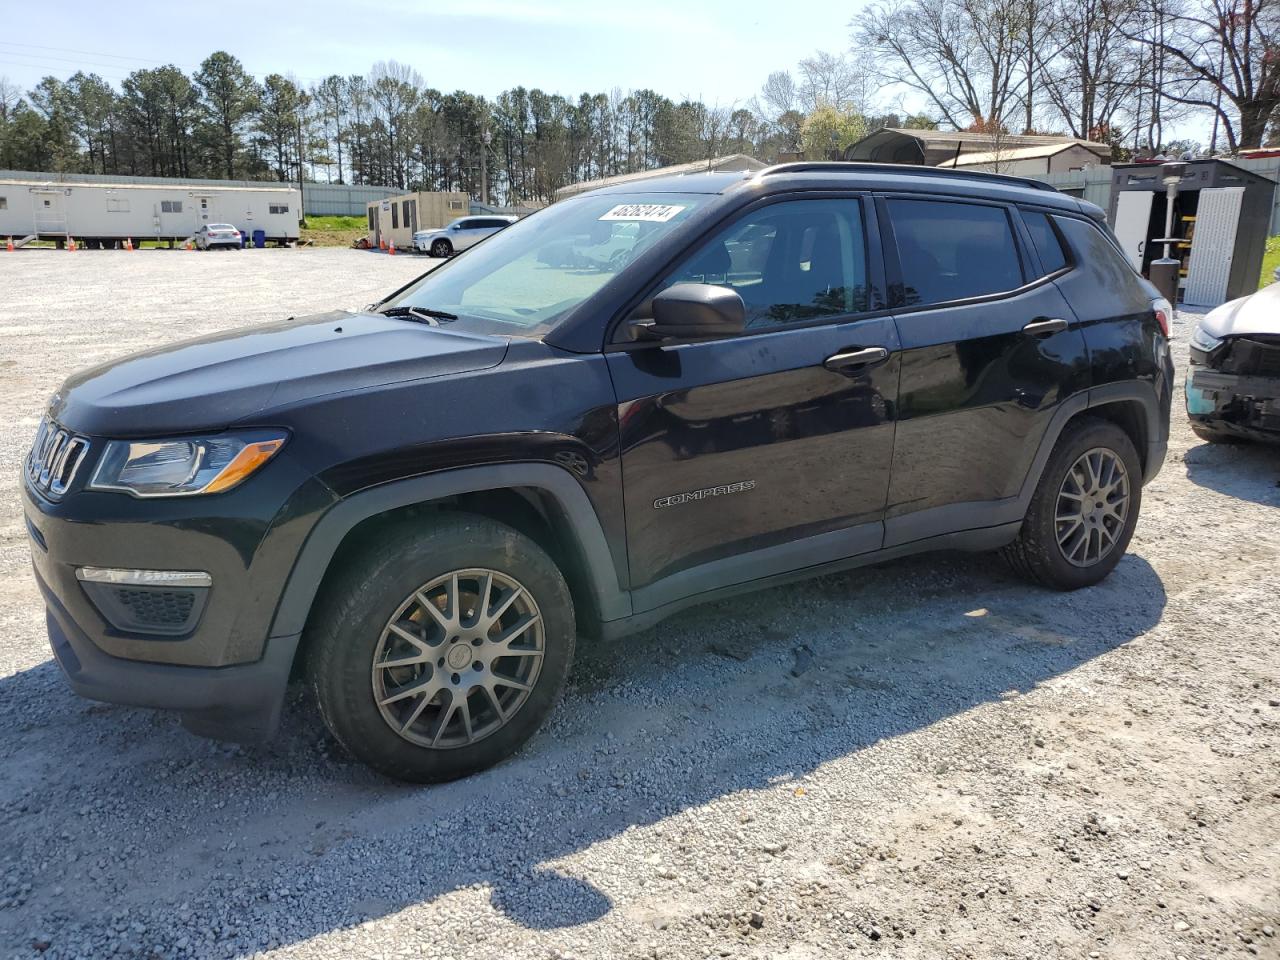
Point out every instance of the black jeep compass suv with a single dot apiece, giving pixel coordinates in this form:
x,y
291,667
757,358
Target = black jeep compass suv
x,y
637,399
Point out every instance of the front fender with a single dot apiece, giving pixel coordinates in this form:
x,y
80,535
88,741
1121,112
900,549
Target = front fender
x,y
313,561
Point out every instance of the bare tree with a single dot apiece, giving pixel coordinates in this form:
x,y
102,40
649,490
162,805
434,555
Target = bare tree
x,y
962,55
833,79
1088,68
1223,57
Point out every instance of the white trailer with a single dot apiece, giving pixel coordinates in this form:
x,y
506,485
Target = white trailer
x,y
106,214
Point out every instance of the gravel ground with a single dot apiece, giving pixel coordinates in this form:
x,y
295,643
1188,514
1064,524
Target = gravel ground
x,y
925,759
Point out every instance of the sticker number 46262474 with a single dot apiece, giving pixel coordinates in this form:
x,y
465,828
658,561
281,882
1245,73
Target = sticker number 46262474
x,y
652,212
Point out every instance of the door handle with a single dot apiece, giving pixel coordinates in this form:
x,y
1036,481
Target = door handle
x,y
855,358
1043,325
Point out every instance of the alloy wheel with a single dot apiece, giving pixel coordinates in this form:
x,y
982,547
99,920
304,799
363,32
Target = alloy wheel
x,y
458,659
1093,506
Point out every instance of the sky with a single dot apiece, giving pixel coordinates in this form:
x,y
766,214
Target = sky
x,y
719,51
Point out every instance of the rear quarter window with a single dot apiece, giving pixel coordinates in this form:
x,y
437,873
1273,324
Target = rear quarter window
x,y
1047,243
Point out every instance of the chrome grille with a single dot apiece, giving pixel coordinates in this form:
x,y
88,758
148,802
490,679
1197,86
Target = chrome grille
x,y
54,459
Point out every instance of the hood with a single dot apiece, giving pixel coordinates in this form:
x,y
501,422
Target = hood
x,y
214,382
1257,313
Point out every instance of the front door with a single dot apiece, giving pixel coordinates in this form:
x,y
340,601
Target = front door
x,y
989,349
769,451
50,215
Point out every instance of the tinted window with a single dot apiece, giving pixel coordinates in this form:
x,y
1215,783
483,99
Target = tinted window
x,y
790,262
952,251
395,216
1045,238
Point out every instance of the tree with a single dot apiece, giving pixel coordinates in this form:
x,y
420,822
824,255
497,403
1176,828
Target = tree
x,y
962,56
832,79
229,98
1223,57
828,132
279,123
1088,69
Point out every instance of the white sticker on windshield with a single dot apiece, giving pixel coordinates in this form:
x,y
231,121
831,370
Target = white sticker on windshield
x,y
651,212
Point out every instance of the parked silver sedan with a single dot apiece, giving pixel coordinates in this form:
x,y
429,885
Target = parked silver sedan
x,y
211,235
462,233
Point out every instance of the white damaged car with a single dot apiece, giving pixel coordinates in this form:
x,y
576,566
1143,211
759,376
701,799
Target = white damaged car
x,y
1233,384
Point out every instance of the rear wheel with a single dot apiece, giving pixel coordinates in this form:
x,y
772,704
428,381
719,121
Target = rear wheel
x,y
1084,509
1211,435
441,248
439,650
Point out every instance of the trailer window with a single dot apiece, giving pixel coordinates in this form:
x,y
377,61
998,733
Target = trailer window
x,y
404,212
170,206
4,203
117,205
277,208
455,204
371,218
395,216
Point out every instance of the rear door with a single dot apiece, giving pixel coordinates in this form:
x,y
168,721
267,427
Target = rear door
x,y
989,349
770,451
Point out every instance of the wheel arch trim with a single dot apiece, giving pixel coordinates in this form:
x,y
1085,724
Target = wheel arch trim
x,y
322,544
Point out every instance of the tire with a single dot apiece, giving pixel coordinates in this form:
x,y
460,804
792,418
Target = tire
x,y
1210,435
1037,554
352,626
441,248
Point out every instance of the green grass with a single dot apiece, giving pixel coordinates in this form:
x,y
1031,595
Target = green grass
x,y
1270,260
334,231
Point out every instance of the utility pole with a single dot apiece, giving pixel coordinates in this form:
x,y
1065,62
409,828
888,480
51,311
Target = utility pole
x,y
485,139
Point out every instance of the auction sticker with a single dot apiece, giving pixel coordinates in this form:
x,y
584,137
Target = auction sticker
x,y
651,212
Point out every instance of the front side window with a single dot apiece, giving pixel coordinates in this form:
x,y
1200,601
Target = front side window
x,y
528,276
791,262
950,250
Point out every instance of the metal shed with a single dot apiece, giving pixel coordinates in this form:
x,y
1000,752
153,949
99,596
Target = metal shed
x,y
1220,218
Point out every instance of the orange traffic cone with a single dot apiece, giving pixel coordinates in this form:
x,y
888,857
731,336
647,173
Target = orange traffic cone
x,y
9,246
128,243
382,243
71,244
391,251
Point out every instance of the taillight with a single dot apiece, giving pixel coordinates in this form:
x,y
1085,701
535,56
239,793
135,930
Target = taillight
x,y
1164,313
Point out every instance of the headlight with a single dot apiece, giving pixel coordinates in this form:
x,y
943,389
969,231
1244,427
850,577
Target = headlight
x,y
1203,341
183,467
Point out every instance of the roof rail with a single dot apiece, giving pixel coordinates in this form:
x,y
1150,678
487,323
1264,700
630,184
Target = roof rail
x,y
910,170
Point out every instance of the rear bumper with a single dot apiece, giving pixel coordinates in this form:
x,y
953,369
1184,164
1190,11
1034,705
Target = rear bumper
x,y
241,702
1248,406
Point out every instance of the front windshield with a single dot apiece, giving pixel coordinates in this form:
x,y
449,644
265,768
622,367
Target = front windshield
x,y
522,280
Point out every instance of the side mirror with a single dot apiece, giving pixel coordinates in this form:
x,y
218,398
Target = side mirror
x,y
693,311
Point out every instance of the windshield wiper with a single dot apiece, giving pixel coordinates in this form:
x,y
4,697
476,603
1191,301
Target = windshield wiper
x,y
424,314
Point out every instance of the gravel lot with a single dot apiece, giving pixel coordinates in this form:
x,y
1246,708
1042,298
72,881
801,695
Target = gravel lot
x,y
926,759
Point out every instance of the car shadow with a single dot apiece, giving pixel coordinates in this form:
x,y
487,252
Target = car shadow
x,y
1246,471
111,813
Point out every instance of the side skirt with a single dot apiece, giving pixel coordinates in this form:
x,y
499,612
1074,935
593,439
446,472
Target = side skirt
x,y
984,539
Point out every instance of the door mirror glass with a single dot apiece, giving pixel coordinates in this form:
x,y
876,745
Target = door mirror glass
x,y
691,311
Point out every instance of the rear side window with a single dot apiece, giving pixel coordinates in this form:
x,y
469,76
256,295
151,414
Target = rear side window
x,y
1045,238
953,250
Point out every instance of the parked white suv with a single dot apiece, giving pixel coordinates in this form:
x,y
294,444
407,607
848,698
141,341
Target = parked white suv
x,y
462,233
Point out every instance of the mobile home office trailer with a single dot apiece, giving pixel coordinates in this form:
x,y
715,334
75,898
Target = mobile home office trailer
x,y
395,219
105,214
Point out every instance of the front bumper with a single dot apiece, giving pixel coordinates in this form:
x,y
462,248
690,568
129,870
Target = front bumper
x,y
226,674
1248,406
242,702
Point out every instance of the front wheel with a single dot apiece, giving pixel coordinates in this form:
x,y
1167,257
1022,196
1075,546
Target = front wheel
x,y
441,248
1084,510
439,650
